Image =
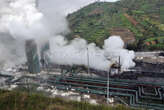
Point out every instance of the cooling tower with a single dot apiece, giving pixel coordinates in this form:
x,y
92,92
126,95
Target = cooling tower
x,y
32,56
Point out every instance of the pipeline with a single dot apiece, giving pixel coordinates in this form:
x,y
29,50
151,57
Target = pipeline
x,y
117,87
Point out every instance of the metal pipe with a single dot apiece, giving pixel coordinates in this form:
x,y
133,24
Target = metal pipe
x,y
119,67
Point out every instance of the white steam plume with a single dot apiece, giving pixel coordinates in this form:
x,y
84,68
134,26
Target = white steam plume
x,y
75,53
21,20
114,48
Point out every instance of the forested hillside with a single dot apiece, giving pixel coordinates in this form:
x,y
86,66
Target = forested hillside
x,y
139,22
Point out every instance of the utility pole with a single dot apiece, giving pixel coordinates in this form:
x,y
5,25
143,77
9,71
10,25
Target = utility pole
x,y
108,85
119,66
88,60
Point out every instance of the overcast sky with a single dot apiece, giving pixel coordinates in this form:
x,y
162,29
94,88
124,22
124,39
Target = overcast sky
x,y
67,6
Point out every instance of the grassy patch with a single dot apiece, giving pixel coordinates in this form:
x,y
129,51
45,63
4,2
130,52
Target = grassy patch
x,y
14,100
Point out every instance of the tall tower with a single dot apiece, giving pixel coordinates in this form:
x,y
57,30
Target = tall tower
x,y
32,56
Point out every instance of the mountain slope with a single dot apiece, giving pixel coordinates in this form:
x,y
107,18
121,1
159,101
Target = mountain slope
x,y
139,22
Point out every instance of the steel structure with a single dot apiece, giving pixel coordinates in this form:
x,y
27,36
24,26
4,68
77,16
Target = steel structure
x,y
32,56
139,94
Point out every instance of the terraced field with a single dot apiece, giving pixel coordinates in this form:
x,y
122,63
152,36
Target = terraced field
x,y
143,18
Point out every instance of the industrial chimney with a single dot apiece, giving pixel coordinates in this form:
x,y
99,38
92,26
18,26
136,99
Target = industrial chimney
x,y
32,56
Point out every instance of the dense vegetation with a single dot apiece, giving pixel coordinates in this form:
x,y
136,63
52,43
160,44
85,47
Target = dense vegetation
x,y
24,101
144,18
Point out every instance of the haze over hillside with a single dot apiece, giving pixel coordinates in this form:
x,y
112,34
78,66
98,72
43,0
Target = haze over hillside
x,y
139,22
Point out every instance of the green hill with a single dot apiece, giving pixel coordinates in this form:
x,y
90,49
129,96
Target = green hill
x,y
139,22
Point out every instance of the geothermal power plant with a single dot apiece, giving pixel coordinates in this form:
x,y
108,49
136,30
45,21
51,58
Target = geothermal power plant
x,y
74,69
131,87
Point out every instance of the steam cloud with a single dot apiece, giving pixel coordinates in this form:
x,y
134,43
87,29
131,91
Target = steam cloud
x,y
21,20
76,53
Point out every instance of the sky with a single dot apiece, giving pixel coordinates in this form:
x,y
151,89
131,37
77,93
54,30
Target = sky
x,y
67,6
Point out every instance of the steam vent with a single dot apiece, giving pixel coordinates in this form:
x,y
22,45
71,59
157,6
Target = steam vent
x,y
32,56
